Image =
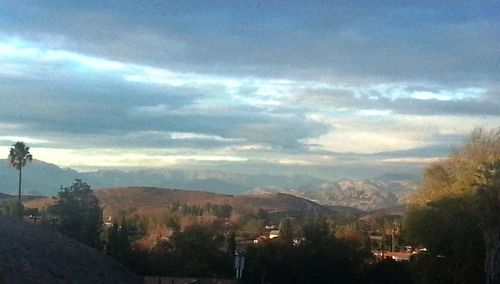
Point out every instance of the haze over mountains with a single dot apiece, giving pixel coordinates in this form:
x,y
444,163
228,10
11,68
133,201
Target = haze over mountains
x,y
40,178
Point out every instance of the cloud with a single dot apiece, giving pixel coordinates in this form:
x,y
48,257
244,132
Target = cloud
x,y
327,85
421,161
403,99
131,101
92,158
446,42
161,101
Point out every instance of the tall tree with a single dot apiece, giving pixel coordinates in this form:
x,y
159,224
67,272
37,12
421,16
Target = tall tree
x,y
487,204
80,216
18,156
118,242
472,175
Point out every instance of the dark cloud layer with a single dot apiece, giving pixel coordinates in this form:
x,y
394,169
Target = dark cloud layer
x,y
448,41
374,100
104,106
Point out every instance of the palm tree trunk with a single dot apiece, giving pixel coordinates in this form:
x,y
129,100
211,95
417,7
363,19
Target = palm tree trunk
x,y
492,260
19,196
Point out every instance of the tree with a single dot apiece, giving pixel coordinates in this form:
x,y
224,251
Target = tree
x,y
118,243
195,252
80,216
289,229
12,209
449,229
487,205
222,211
18,156
319,258
470,178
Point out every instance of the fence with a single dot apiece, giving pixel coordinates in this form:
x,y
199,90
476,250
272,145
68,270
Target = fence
x,y
178,280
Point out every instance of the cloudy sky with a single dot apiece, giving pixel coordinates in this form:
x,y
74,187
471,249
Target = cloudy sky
x,y
327,88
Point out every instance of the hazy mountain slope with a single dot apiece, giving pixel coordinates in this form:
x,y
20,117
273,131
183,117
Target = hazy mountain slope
x,y
365,195
31,254
164,178
213,181
5,196
40,178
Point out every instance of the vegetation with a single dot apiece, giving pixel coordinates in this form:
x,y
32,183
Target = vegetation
x,y
456,212
12,209
19,155
195,252
452,237
455,215
118,242
78,212
319,257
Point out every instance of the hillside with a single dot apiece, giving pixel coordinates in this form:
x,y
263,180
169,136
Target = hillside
x,y
31,254
152,197
149,197
5,196
385,212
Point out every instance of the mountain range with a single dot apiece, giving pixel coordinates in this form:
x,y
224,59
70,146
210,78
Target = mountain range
x,y
41,178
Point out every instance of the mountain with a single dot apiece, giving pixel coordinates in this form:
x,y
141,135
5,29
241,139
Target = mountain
x,y
6,196
32,254
398,177
40,178
365,195
213,181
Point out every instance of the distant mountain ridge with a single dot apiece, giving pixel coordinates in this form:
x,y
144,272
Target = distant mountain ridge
x,y
41,178
365,195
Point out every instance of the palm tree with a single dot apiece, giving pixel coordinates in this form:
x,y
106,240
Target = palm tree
x,y
18,156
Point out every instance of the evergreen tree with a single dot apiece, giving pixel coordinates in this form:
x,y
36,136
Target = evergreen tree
x,y
79,214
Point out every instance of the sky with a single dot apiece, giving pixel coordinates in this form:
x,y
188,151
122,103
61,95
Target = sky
x,y
324,88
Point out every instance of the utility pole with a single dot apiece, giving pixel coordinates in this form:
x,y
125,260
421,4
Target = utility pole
x,y
239,264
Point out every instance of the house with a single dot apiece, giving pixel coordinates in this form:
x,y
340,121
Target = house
x,y
274,234
397,256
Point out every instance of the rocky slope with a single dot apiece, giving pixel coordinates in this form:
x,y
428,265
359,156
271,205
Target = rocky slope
x,y
364,195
